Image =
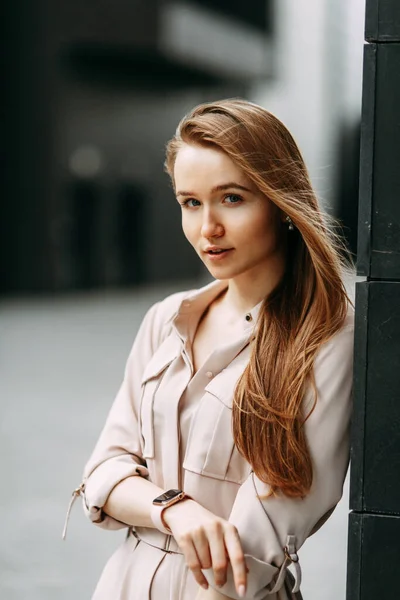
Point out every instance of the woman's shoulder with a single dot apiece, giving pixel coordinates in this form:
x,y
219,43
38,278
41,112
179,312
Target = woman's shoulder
x,y
348,322
340,346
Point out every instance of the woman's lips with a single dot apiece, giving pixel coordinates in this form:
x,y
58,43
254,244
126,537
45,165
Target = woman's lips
x,y
216,256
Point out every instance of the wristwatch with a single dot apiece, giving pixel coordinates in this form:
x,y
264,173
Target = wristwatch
x,y
161,503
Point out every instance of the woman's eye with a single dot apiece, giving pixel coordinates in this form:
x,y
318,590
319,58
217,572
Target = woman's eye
x,y
191,203
233,198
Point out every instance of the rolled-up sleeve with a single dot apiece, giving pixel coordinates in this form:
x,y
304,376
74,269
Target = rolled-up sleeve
x,y
117,454
266,526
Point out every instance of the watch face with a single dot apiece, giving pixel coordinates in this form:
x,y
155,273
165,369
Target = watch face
x,y
168,496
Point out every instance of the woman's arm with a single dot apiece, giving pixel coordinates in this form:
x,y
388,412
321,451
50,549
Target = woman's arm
x,y
117,455
206,540
131,500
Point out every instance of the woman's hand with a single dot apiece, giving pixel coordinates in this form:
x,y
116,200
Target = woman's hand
x,y
207,541
210,594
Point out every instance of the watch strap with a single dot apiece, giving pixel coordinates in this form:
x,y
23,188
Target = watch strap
x,y
156,513
158,521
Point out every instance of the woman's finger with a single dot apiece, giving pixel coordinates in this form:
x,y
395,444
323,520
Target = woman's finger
x,y
218,553
193,562
202,548
236,558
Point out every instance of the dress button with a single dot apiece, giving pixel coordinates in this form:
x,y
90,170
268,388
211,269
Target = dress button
x,y
209,374
249,317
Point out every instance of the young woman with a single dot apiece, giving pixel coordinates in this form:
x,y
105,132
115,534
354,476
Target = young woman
x,y
228,442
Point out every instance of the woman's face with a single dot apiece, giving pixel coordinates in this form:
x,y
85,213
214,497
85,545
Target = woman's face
x,y
232,226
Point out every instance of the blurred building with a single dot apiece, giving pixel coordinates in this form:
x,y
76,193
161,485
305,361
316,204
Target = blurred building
x,y
94,90
316,91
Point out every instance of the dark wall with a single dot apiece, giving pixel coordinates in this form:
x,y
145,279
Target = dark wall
x,y
375,483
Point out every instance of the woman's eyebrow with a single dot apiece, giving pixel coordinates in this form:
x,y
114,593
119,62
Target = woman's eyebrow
x,y
219,188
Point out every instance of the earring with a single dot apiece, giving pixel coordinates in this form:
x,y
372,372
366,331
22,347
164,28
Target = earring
x,y
290,222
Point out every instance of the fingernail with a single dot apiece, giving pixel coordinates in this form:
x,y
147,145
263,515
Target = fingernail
x,y
204,585
241,591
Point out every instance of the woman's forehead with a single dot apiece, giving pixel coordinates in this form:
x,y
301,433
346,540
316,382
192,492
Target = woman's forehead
x,y
197,164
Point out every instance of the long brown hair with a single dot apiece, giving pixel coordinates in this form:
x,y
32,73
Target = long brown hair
x,y
306,308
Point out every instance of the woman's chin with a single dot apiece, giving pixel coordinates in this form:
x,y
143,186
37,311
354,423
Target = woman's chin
x,y
220,273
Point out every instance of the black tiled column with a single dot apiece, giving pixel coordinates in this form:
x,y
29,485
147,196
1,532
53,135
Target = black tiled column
x,y
374,523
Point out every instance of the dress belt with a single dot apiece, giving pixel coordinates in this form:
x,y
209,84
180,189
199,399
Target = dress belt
x,y
156,539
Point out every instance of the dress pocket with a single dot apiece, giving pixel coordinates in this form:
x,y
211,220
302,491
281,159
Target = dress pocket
x,y
211,451
151,381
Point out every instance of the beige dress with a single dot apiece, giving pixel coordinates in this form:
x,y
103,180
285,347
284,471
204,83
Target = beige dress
x,y
174,428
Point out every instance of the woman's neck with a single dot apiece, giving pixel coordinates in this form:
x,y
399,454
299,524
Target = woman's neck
x,y
247,290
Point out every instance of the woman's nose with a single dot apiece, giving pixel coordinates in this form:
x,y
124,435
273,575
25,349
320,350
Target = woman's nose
x,y
211,227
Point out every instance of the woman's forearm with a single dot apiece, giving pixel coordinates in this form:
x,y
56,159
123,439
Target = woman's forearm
x,y
131,500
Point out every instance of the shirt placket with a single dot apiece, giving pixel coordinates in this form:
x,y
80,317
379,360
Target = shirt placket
x,y
167,421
